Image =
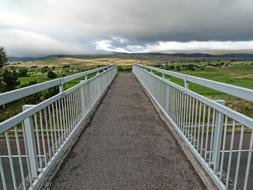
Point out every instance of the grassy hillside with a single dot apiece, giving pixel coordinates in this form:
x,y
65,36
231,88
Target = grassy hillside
x,y
82,63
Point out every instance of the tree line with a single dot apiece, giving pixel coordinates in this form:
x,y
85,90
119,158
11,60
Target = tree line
x,y
8,78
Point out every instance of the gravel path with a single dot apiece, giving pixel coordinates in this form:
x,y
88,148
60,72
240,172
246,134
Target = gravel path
x,y
126,146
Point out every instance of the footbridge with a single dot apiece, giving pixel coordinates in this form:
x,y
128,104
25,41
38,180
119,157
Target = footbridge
x,y
134,130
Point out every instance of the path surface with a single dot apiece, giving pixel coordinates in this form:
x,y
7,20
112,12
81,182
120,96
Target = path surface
x,y
126,146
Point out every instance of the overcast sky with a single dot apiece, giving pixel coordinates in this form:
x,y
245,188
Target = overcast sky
x,y
47,27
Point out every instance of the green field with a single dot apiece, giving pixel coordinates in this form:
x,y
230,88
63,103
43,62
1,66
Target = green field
x,y
35,77
238,73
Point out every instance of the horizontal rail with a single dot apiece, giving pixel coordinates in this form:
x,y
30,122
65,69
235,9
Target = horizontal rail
x,y
222,108
5,125
14,95
233,90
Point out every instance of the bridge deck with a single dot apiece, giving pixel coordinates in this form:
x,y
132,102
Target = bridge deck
x,y
126,146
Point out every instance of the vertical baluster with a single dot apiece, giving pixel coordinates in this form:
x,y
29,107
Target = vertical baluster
x,y
199,123
238,157
47,131
43,139
38,140
195,124
21,167
230,154
51,129
2,174
55,130
189,118
203,130
223,147
207,131
28,162
57,124
13,174
212,133
248,162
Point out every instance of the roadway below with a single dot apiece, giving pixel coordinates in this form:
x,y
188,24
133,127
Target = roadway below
x,y
126,146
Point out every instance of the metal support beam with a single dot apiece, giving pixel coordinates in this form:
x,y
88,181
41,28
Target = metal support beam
x,y
217,139
31,143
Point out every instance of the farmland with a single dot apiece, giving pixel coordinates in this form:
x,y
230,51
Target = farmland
x,y
238,73
235,74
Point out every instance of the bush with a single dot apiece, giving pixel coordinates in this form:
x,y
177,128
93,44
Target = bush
x,y
51,75
171,67
124,69
9,80
22,72
3,58
44,69
66,66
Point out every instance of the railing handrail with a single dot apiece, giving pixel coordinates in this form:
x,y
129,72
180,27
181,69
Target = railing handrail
x,y
233,90
202,124
17,94
43,133
246,120
5,125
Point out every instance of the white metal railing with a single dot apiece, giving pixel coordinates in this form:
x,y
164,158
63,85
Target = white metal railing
x,y
236,91
29,90
32,141
219,137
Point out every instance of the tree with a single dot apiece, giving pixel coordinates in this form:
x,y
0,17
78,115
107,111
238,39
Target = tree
x,y
3,58
51,75
44,69
66,66
9,80
3,61
22,72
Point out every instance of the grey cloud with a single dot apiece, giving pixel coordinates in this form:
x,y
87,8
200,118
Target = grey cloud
x,y
78,24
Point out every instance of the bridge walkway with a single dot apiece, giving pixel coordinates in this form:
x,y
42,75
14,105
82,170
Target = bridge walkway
x,y
126,146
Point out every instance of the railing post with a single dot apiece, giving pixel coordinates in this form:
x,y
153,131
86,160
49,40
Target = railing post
x,y
82,96
31,143
61,86
217,139
167,100
186,84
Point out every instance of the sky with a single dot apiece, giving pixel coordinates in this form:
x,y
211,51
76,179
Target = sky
x,y
37,28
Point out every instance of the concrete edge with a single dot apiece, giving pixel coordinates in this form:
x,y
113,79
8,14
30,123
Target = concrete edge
x,y
84,123
187,152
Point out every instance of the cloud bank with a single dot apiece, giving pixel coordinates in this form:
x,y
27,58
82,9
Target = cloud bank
x,y
46,27
173,46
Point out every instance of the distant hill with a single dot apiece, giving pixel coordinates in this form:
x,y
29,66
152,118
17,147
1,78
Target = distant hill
x,y
160,56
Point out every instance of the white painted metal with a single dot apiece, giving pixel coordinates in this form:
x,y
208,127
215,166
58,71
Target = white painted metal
x,y
237,91
31,143
214,133
41,133
23,92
